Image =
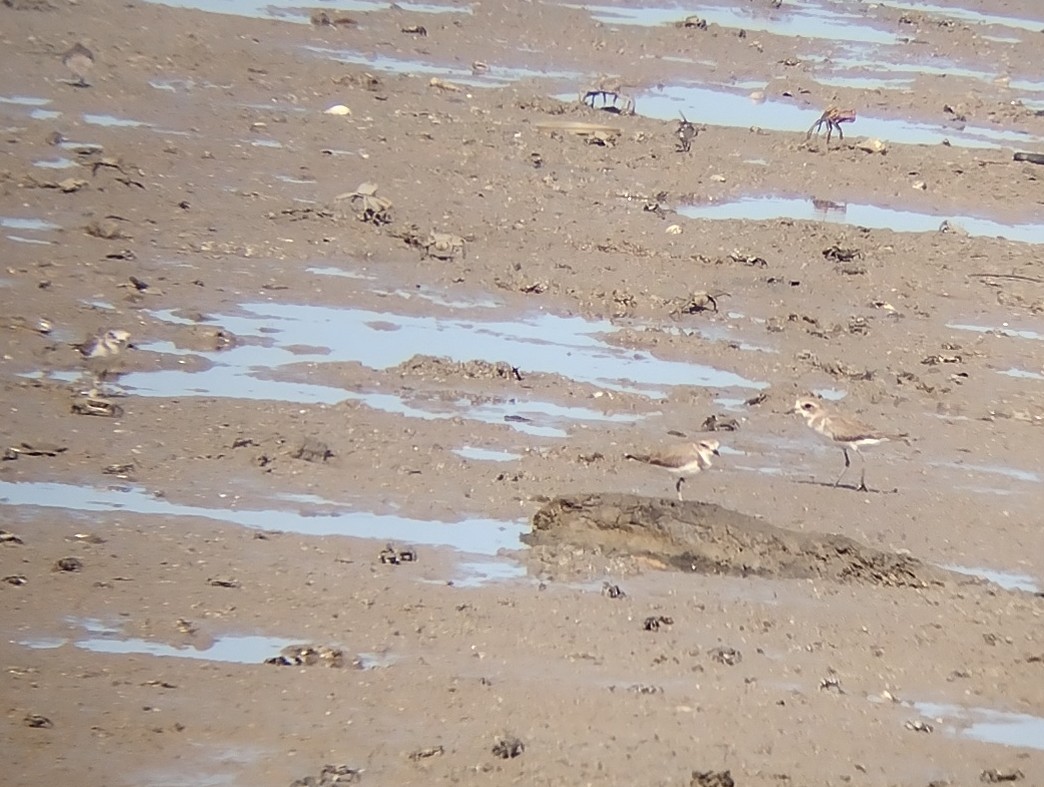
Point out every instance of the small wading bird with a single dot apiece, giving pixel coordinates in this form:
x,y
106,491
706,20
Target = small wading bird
x,y
682,460
686,134
79,60
832,118
106,344
848,433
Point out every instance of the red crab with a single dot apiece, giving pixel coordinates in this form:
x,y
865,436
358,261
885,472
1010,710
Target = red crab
x,y
832,118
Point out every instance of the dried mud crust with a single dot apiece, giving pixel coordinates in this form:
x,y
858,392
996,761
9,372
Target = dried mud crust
x,y
708,538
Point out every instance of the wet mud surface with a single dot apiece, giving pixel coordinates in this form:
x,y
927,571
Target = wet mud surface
x,y
327,333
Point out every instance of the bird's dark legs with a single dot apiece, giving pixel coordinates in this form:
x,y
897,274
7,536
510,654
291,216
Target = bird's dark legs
x,y
862,475
848,463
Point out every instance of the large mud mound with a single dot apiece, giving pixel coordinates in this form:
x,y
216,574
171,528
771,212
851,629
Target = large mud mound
x,y
707,538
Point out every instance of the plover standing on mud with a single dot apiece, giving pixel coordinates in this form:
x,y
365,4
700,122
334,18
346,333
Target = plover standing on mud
x,y
106,344
683,460
79,60
686,134
843,431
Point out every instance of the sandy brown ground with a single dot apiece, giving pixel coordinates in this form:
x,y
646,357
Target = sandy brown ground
x,y
194,206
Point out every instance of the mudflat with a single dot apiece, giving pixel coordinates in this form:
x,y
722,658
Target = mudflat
x,y
327,331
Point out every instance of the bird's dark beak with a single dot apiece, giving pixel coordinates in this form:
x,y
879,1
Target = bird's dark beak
x,y
716,452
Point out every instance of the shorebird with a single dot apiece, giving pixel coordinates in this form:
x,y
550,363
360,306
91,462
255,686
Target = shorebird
x,y
683,460
106,344
686,134
843,431
79,60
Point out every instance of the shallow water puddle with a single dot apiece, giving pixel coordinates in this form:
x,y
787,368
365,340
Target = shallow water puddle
x,y
55,163
33,225
1005,330
262,143
27,225
236,649
112,121
873,216
720,106
81,147
486,454
434,296
478,573
864,82
35,241
173,84
476,536
863,51
1002,330
717,105
726,333
264,9
257,9
954,11
422,291
299,182
537,342
797,18
1008,472
449,7
1022,374
497,76
904,72
230,648
541,419
34,104
1009,580
25,101
987,725
291,335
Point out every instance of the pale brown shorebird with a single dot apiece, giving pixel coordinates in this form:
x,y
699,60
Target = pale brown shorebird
x,y
683,460
106,344
844,431
79,60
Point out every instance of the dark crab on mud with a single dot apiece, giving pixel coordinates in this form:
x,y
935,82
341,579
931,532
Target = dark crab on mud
x,y
444,246
367,205
92,402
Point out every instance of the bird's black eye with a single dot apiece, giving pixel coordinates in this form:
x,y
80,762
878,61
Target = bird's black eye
x,y
807,406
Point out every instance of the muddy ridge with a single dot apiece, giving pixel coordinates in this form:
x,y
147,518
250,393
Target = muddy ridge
x,y
709,539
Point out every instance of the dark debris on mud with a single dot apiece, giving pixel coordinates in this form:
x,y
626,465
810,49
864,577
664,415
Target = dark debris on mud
x,y
329,776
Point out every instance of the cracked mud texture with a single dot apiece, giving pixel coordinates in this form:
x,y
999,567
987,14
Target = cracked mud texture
x,y
509,303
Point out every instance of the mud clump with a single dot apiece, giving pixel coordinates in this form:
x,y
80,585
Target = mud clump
x,y
709,539
443,368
